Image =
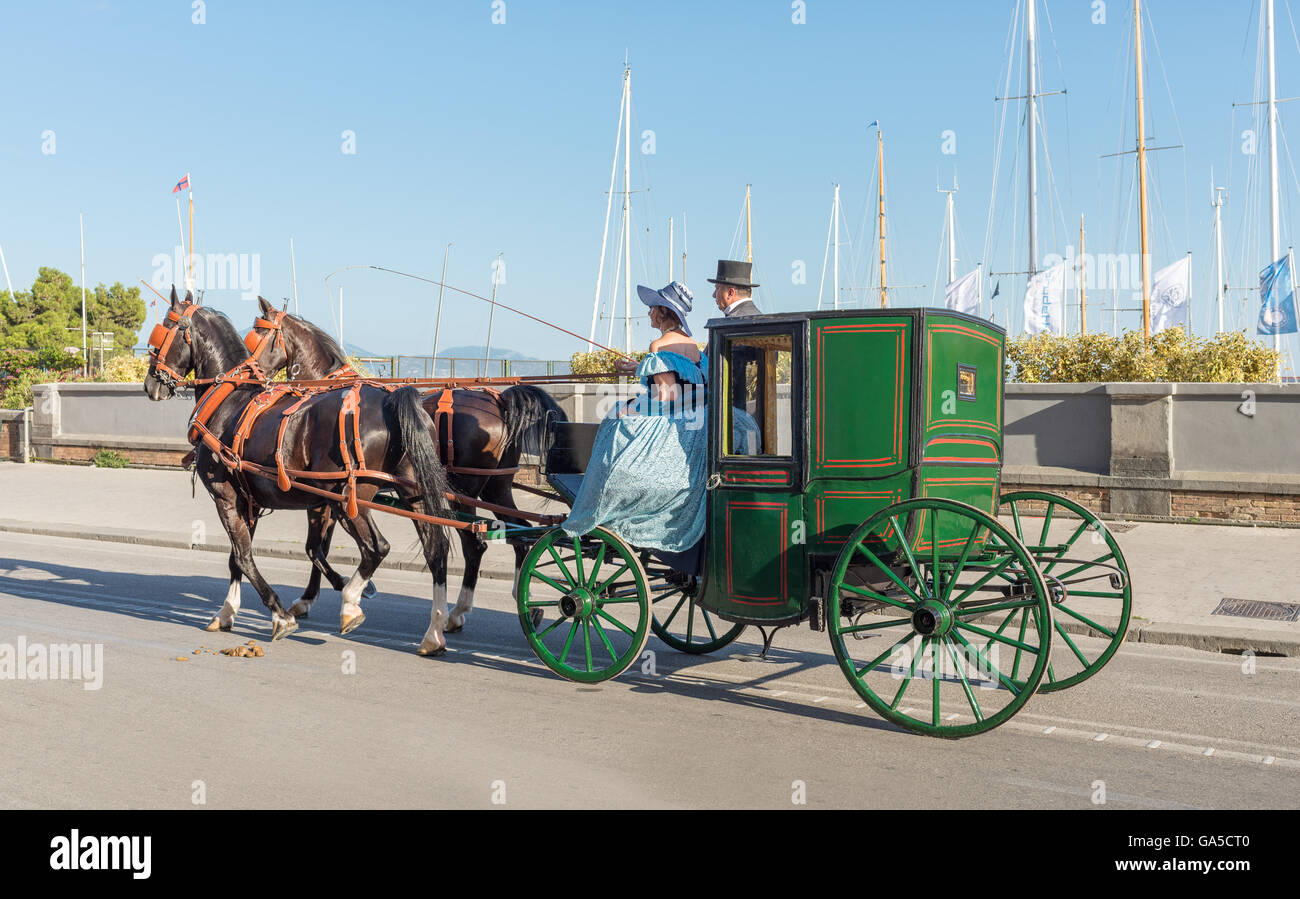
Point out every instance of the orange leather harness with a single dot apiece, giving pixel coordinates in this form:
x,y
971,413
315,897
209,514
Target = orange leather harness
x,y
250,372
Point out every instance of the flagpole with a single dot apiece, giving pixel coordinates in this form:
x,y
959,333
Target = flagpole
x,y
293,269
190,286
81,218
1189,293
180,227
1277,331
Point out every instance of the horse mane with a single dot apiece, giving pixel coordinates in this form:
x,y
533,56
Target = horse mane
x,y
231,344
326,343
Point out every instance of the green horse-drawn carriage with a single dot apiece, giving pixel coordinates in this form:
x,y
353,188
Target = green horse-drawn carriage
x,y
869,505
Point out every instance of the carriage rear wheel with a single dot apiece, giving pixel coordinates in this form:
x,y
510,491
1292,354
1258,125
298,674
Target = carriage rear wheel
x,y
679,620
593,597
1087,579
926,633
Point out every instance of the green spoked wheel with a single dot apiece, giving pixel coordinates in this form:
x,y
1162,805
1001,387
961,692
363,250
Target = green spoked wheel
x,y
925,633
679,620
594,602
1087,580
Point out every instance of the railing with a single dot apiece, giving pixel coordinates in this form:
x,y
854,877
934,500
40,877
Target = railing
x,y
454,367
449,367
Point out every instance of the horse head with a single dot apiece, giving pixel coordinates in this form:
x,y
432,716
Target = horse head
x,y
171,349
287,341
190,339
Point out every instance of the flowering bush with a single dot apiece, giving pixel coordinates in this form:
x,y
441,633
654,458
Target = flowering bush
x,y
1172,355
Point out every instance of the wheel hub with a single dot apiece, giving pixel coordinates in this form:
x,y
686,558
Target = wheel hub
x,y
932,619
577,603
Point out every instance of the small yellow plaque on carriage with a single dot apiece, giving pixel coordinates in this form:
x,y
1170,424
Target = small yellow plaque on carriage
x,y
966,382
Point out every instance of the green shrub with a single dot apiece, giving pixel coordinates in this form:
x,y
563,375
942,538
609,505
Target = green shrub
x,y
1172,355
20,369
599,362
109,459
123,369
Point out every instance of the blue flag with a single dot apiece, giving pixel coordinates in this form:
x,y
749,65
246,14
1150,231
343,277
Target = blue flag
x,y
1277,306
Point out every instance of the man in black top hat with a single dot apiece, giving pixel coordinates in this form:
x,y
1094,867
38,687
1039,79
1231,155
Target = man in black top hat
x,y
734,290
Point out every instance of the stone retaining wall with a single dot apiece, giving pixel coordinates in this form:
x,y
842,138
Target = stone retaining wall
x,y
1224,452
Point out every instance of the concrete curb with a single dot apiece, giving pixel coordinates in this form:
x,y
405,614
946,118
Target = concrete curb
x,y
1209,638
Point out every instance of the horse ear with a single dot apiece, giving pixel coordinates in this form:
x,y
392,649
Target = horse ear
x,y
175,299
266,307
189,296
285,307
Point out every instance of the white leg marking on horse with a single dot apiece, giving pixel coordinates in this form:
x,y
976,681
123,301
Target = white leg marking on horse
x,y
352,594
231,606
464,605
434,641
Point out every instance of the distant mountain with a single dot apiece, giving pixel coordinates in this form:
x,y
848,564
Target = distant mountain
x,y
476,352
353,350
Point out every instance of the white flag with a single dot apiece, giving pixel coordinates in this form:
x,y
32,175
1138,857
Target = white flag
x,y
963,295
1045,301
1170,296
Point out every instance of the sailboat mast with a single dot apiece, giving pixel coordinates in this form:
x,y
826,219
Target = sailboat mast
x,y
880,175
487,351
1083,287
627,213
670,249
951,228
1216,201
609,202
835,277
749,229
437,324
1275,237
1031,131
1142,173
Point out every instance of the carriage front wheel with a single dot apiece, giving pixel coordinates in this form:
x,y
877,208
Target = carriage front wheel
x,y
594,603
946,631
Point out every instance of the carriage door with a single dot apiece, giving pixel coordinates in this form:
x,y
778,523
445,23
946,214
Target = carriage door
x,y
756,527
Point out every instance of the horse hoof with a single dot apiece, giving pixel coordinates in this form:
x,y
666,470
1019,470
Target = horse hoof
x,y
369,590
348,625
216,625
283,629
428,650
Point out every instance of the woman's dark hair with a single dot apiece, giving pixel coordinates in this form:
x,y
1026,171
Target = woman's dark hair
x,y
664,310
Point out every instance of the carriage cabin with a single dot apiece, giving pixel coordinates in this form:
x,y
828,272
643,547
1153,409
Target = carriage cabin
x,y
833,416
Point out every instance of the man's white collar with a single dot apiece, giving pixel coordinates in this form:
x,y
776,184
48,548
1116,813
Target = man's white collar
x,y
727,311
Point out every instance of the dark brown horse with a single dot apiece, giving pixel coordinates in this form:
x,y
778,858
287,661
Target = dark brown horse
x,y
390,432
487,432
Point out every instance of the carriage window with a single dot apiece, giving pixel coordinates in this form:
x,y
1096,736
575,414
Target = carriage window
x,y
758,419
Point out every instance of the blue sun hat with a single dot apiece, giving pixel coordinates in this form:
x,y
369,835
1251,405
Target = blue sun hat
x,y
676,296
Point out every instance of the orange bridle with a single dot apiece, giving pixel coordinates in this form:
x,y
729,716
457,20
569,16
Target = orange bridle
x,y
257,343
162,337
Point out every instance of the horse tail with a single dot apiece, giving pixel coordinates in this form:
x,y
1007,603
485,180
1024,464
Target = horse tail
x,y
415,428
527,412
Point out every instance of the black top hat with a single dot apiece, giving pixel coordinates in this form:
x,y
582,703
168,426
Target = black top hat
x,y
735,273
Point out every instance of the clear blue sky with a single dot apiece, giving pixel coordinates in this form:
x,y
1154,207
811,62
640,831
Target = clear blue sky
x,y
500,138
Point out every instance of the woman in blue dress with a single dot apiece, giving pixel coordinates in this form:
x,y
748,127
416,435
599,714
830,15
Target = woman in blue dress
x,y
646,478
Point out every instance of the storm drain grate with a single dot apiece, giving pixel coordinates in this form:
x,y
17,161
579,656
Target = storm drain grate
x,y
1257,608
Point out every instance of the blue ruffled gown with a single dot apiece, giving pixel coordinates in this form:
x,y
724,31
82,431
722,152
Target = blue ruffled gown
x,y
646,478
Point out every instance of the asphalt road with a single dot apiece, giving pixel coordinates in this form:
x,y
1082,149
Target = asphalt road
x,y
322,721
